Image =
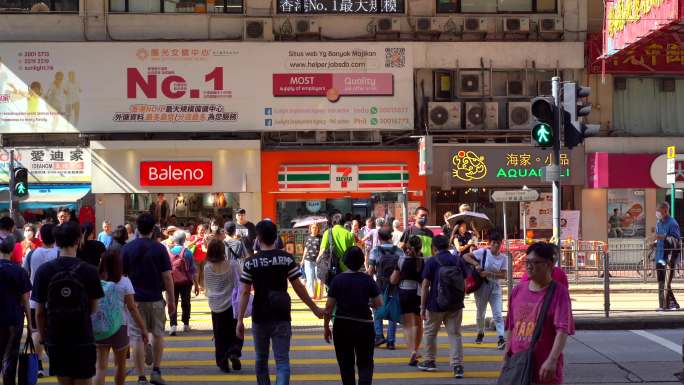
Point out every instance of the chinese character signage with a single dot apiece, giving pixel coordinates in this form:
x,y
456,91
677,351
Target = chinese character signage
x,y
340,7
209,87
49,165
343,177
631,21
502,166
663,54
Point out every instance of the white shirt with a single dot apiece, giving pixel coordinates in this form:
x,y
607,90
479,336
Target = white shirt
x,y
494,263
125,287
40,256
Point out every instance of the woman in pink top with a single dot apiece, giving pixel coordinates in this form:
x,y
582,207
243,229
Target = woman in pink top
x,y
523,311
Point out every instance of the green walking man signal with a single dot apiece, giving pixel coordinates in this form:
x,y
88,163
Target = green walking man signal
x,y
542,133
21,182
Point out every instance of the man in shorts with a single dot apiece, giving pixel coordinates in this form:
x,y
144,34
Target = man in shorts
x,y
66,291
146,262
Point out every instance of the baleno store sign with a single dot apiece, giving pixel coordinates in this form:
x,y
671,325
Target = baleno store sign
x,y
498,166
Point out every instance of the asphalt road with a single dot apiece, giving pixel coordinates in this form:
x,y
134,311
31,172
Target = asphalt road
x,y
592,357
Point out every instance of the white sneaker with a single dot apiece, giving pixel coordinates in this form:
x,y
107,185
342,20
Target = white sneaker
x,y
186,328
172,332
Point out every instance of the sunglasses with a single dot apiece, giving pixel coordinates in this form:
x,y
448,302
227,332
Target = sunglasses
x,y
529,262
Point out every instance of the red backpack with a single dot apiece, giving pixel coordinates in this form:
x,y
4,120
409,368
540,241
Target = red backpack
x,y
179,269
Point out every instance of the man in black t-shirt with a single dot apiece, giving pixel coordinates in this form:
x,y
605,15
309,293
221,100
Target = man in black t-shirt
x,y
419,229
245,230
269,272
66,329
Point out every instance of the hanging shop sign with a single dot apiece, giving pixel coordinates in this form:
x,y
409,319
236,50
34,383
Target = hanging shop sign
x,y
49,164
343,177
340,7
473,166
176,173
53,87
663,54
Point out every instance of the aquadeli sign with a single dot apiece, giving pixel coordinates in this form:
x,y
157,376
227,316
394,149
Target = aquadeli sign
x,y
176,173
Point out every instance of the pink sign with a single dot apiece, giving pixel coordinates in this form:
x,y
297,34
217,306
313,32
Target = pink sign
x,y
361,84
364,84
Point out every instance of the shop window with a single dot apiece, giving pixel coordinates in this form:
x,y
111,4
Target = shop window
x,y
188,208
644,107
177,6
496,6
39,6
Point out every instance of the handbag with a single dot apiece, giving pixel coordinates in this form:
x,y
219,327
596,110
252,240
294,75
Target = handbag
x,y
517,369
473,281
328,265
28,364
236,294
391,308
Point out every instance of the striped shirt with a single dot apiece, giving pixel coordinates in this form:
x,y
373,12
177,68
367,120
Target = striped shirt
x,y
219,286
268,272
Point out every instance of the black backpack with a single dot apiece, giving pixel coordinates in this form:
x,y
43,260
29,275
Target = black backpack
x,y
450,287
67,302
328,265
388,260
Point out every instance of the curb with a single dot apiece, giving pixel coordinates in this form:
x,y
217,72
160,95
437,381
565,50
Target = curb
x,y
630,322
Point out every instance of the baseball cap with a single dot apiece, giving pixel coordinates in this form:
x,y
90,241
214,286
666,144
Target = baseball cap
x,y
241,211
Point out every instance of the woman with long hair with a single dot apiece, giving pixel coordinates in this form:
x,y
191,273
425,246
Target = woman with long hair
x,y
118,287
408,275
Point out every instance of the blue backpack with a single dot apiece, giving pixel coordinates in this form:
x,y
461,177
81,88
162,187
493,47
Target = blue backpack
x,y
109,317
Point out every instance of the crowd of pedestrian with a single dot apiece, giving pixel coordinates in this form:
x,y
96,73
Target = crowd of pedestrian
x,y
123,282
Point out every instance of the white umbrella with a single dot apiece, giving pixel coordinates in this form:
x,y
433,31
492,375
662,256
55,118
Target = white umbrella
x,y
308,221
481,221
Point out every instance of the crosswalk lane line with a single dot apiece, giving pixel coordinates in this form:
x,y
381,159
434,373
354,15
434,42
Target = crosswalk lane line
x,y
250,378
299,348
298,337
333,361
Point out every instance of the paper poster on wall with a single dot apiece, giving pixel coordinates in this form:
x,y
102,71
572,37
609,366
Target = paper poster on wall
x,y
56,88
626,217
539,214
570,222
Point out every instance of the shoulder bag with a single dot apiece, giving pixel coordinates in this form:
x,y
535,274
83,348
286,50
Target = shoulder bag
x,y
517,369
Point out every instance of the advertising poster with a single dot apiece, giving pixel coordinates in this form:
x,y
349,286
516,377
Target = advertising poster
x,y
49,165
538,214
570,224
126,87
626,218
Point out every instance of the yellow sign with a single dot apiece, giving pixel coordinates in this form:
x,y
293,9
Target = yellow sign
x,y
671,152
468,166
623,12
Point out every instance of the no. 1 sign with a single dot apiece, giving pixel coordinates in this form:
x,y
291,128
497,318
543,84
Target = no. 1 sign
x,y
176,173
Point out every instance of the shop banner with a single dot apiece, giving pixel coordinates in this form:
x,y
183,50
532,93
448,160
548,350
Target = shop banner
x,y
483,166
57,87
176,173
343,177
631,21
49,164
626,217
662,54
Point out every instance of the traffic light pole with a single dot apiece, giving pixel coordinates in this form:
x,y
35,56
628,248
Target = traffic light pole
x,y
11,184
556,190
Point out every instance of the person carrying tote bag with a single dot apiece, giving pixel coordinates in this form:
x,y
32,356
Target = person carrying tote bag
x,y
28,363
538,323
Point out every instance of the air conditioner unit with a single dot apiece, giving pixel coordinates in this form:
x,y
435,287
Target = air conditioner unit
x,y
444,115
551,25
482,115
476,25
519,115
430,24
544,88
516,25
515,88
258,30
453,26
388,25
473,84
306,27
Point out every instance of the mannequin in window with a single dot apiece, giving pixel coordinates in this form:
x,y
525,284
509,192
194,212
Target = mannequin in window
x,y
160,209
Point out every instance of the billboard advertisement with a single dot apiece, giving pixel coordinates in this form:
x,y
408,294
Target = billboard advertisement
x,y
127,87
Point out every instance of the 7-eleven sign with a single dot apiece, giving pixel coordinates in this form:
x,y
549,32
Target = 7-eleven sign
x,y
344,177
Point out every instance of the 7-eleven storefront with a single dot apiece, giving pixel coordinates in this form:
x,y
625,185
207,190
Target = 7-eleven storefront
x,y
297,184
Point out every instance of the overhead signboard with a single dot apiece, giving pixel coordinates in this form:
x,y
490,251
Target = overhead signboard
x,y
343,177
340,7
515,196
136,87
49,164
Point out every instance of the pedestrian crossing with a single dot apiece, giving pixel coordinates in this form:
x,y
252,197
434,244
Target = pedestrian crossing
x,y
189,357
